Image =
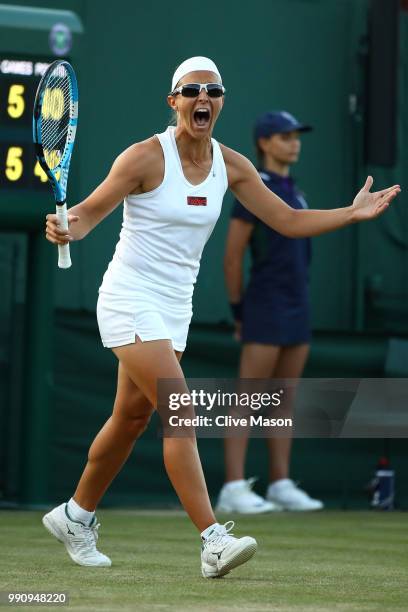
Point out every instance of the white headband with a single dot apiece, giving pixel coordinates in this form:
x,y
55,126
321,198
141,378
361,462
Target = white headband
x,y
192,65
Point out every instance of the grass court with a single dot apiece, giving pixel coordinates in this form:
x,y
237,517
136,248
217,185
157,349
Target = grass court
x,y
331,561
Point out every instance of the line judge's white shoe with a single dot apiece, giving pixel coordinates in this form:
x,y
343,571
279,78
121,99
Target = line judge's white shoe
x,y
221,551
239,497
286,494
79,539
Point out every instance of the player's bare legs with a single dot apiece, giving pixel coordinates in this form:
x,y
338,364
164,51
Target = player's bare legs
x,y
114,443
74,523
145,363
141,366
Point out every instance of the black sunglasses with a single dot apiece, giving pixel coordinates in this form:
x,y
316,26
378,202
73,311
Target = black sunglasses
x,y
192,90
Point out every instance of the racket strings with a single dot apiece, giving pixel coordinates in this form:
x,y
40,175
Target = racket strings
x,y
56,107
56,115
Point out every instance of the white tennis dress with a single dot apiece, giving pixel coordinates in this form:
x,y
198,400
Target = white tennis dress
x,y
148,287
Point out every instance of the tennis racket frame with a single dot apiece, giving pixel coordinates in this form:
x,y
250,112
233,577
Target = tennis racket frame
x,y
58,181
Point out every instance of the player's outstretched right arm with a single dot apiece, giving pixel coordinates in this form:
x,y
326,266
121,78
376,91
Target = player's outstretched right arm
x,y
128,174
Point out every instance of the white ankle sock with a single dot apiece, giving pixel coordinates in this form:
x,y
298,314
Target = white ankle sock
x,y
208,531
79,514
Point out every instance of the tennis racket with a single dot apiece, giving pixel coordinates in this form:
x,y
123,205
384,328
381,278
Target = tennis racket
x,y
54,127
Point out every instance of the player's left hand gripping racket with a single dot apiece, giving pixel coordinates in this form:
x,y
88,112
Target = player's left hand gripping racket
x,y
54,127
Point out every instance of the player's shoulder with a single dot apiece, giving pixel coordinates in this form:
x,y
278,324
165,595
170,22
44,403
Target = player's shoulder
x,y
145,151
139,157
237,165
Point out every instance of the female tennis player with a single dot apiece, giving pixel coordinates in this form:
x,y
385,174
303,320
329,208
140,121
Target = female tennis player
x,y
172,185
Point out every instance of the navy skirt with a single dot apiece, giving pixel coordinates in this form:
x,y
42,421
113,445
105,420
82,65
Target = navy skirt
x,y
275,321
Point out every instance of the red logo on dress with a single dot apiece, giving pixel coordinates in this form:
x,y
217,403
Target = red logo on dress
x,y
195,201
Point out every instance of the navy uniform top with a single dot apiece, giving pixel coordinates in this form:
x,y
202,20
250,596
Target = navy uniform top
x,y
278,283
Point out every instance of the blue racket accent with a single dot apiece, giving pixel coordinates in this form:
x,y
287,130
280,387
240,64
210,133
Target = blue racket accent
x,y
55,122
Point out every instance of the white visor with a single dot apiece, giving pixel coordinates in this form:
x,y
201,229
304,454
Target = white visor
x,y
193,64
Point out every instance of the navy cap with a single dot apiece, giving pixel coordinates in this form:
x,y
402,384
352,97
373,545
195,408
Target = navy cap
x,y
277,122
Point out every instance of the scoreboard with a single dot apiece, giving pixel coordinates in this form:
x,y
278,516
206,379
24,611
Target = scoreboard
x,y
30,39
19,78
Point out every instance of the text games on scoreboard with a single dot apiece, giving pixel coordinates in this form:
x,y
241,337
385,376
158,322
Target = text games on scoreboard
x,y
19,168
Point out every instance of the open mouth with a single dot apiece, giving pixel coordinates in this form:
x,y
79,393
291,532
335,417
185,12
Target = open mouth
x,y
202,117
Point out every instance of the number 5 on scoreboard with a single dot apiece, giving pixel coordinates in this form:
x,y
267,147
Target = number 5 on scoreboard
x,y
54,127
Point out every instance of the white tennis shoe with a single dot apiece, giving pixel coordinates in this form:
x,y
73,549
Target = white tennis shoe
x,y
221,551
79,539
239,497
288,496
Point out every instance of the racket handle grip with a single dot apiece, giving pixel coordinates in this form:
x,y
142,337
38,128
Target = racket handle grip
x,y
64,256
